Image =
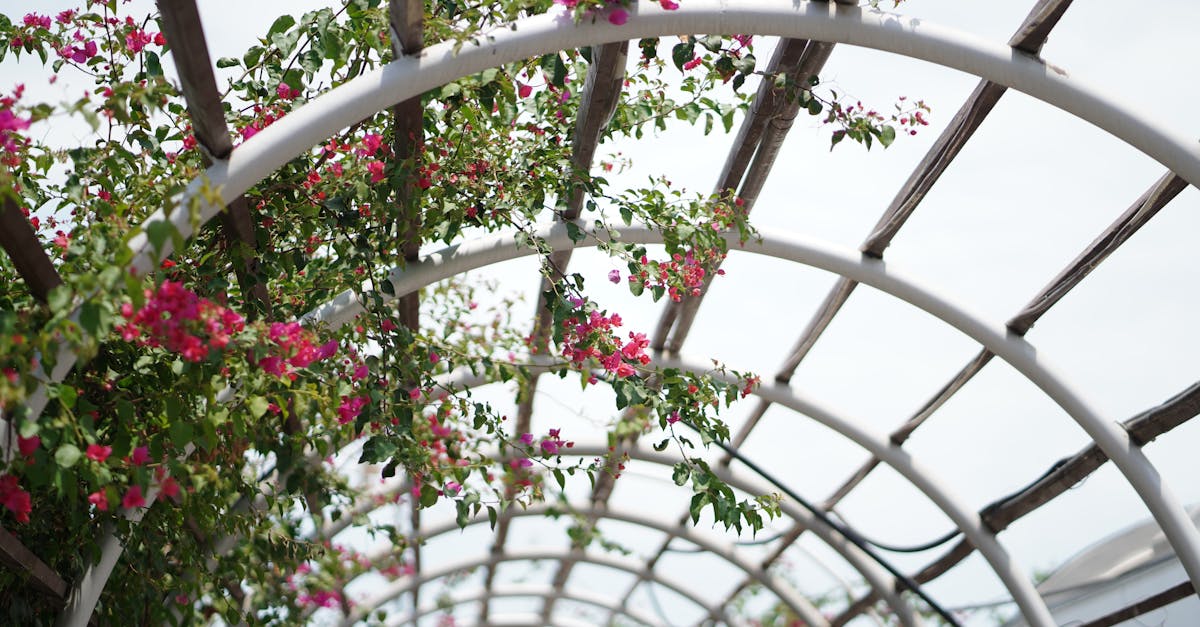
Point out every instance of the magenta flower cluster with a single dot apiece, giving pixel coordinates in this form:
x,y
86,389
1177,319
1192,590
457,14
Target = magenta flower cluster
x,y
176,319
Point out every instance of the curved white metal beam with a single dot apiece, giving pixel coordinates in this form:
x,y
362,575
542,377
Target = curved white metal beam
x,y
1016,350
400,586
545,593
785,592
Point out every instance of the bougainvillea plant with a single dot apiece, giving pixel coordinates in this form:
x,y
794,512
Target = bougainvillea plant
x,y
221,420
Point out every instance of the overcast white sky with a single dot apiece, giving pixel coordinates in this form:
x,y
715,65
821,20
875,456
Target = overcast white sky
x,y
1029,192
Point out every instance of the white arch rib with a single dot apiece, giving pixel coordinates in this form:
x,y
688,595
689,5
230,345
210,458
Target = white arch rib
x,y
545,593
405,584
781,589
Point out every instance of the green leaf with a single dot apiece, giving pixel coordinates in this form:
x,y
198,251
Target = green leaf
x,y
492,516
158,232
67,455
89,318
887,135
745,65
67,394
575,233
59,298
559,78
462,514
429,495
697,505
181,433
450,90
712,42
153,65
682,53
562,480
682,474
281,24
257,405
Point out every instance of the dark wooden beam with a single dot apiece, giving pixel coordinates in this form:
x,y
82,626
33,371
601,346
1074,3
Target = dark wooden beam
x,y
406,18
1145,207
407,21
19,558
189,49
1145,606
25,249
185,35
1035,30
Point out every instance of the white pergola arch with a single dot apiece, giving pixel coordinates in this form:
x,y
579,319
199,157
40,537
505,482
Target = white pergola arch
x,y
537,592
410,76
406,584
873,574
785,592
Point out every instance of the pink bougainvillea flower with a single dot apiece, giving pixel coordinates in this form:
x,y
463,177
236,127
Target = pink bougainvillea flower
x,y
625,370
614,276
618,16
371,143
375,168
37,21
693,63
452,487
15,499
527,439
27,446
133,498
99,499
350,408
327,350
550,447
137,39
169,487
434,357
98,453
140,456
669,5
524,90
285,92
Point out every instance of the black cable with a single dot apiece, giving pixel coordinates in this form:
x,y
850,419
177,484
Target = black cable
x,y
853,537
954,533
934,543
657,607
769,540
